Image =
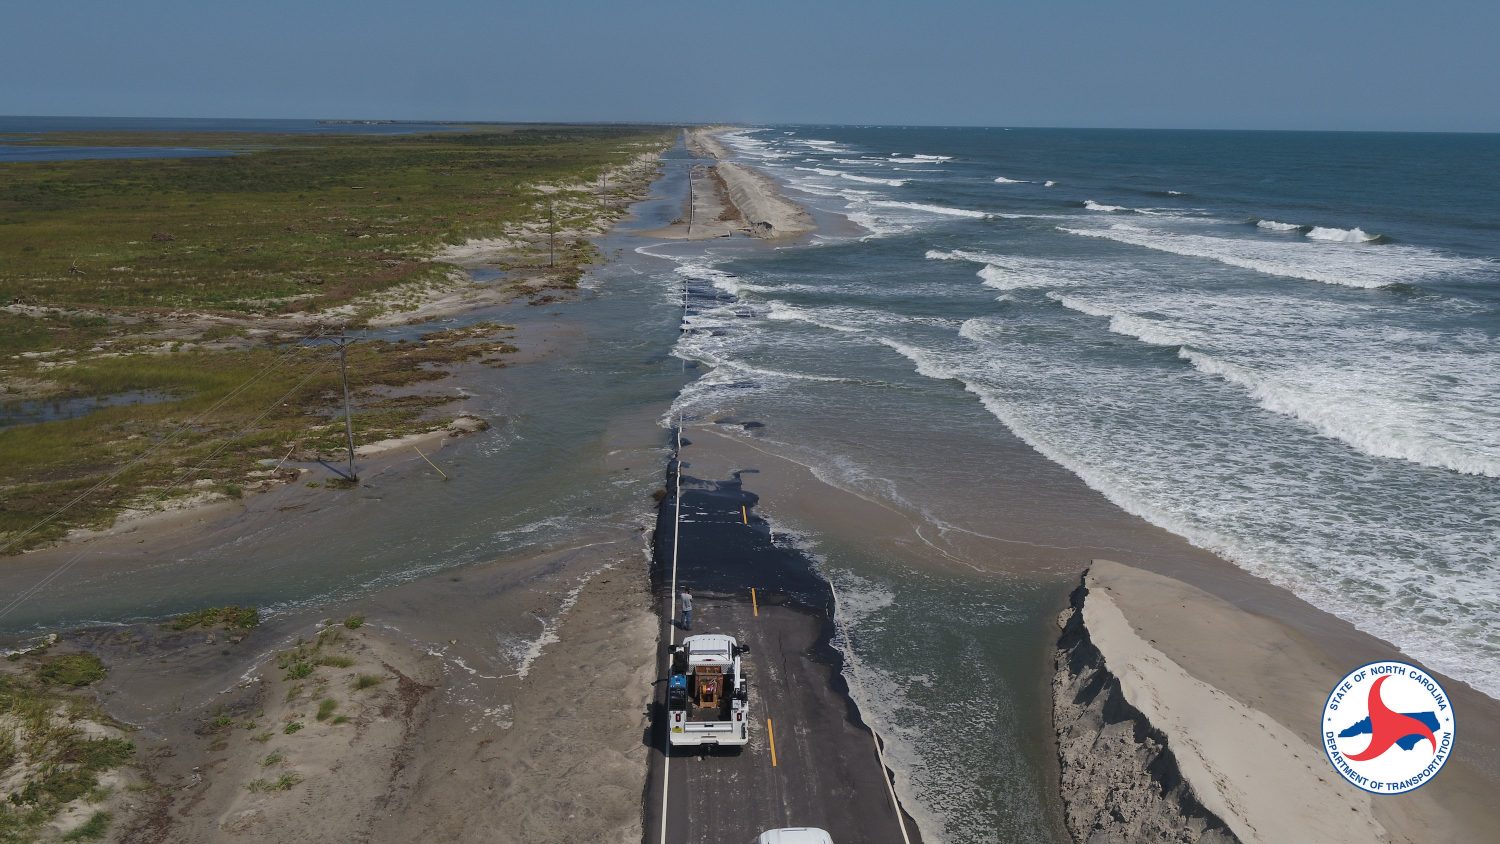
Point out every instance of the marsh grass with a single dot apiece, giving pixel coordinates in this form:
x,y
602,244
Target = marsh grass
x,y
281,783
92,829
296,222
326,708
64,760
233,408
232,617
80,669
105,251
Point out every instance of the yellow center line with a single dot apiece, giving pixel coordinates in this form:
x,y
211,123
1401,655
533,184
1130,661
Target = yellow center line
x,y
754,605
744,515
771,732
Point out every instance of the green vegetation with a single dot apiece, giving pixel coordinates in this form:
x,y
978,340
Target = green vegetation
x,y
326,707
176,277
292,727
92,829
354,622
365,681
334,661
71,670
61,760
271,759
236,407
281,783
231,617
302,224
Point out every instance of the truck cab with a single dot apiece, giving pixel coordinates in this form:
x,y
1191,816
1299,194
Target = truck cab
x,y
795,835
708,698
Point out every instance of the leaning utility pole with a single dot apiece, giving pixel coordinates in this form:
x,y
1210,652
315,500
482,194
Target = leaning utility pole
x,y
343,343
690,200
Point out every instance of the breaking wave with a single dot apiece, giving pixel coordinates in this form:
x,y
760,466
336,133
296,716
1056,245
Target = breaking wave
x,y
1307,261
1328,397
1355,235
931,209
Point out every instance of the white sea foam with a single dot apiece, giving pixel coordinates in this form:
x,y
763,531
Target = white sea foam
x,y
869,180
1017,394
1327,263
895,183
1355,235
1387,393
931,209
1272,225
1049,184
1001,180
1099,206
1013,272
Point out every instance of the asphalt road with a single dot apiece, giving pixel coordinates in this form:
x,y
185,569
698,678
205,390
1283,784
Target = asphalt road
x,y
811,761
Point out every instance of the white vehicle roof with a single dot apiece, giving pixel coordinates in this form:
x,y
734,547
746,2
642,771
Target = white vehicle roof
x,y
795,835
709,649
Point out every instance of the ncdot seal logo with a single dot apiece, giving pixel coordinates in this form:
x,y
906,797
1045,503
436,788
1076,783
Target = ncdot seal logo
x,y
1388,727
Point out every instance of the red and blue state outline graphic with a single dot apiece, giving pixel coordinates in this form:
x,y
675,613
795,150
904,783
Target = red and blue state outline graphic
x,y
1407,717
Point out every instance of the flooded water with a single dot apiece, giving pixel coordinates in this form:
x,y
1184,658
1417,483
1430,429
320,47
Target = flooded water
x,y
31,411
575,448
947,665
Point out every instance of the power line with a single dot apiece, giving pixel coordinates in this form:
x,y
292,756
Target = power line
x,y
160,444
62,569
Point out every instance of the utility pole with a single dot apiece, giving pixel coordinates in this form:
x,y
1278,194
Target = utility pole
x,y
551,232
343,343
690,200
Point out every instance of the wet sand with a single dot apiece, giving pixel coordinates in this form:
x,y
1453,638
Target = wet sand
x,y
460,740
731,199
1260,648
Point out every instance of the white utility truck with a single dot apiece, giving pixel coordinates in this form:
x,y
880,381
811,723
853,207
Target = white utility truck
x,y
708,700
795,835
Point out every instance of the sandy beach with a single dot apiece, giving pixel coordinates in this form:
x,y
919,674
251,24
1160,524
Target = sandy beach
x,y
1219,698
729,198
507,699
1186,692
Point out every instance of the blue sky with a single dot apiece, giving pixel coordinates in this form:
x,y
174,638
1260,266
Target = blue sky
x,y
1316,64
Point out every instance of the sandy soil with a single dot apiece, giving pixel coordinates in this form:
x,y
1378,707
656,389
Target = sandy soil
x,y
1238,695
730,199
438,717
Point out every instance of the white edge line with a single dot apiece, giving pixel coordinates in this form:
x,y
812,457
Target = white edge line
x,y
885,769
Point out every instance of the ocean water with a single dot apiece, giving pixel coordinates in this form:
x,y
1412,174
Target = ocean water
x,y
1280,346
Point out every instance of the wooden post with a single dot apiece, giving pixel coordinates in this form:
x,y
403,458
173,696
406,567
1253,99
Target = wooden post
x,y
343,343
551,233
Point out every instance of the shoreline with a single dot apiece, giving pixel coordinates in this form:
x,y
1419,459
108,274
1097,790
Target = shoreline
x,y
1201,657
1264,653
733,199
470,666
1210,716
